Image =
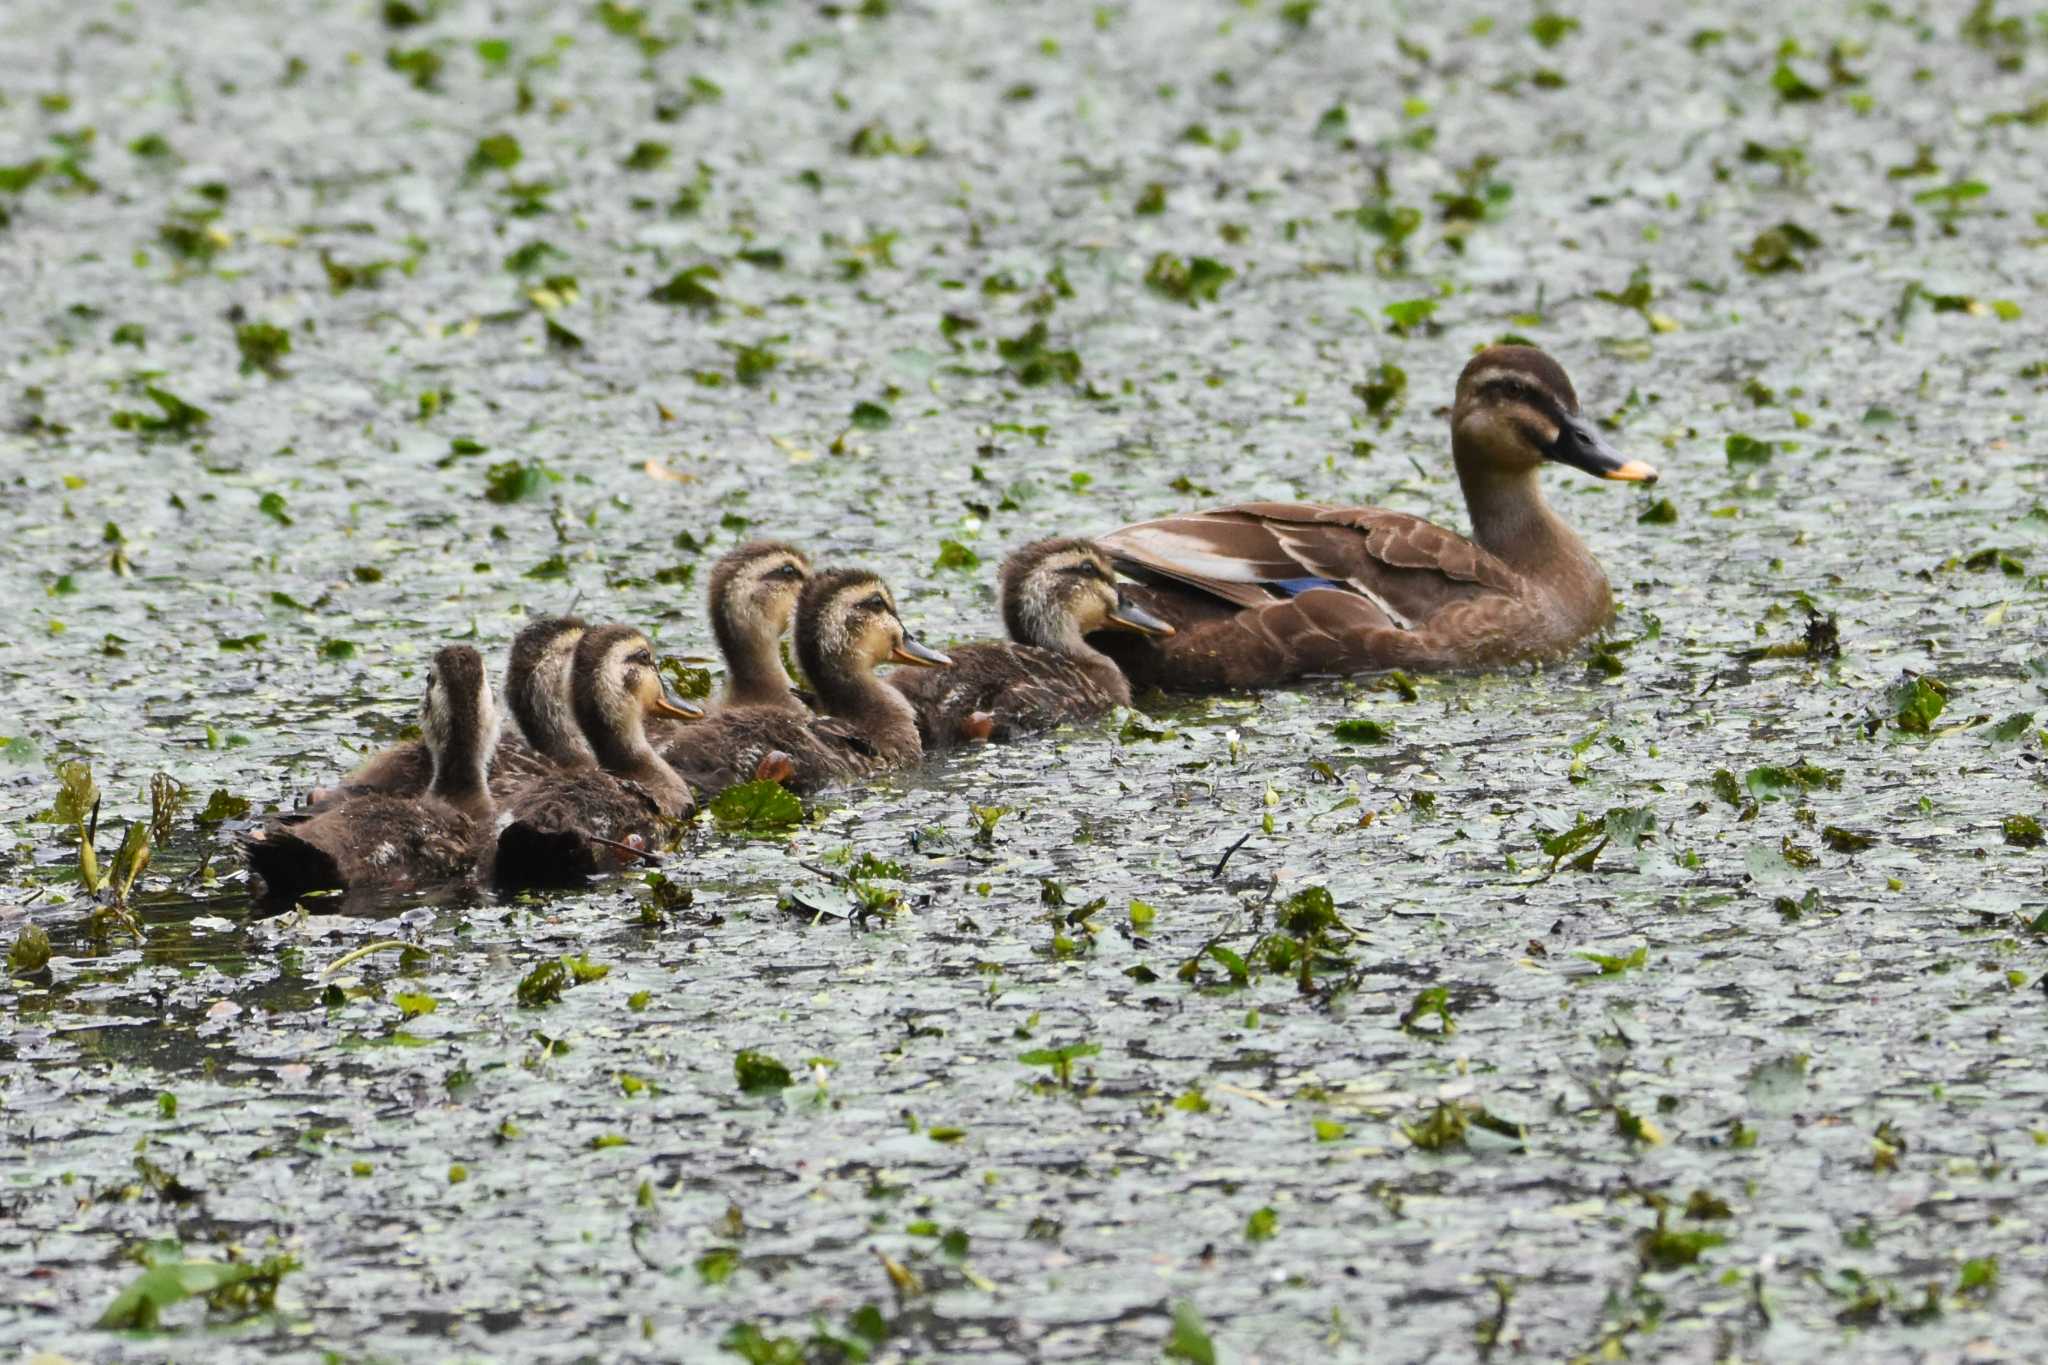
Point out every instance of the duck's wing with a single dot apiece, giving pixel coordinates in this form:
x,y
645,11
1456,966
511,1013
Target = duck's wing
x,y
1262,552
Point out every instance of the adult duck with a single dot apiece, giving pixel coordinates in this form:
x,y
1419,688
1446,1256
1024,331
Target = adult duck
x,y
1053,592
1269,592
570,825
389,842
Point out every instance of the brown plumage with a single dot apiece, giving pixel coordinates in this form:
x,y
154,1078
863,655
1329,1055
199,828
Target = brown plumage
x,y
1268,592
376,840
1053,593
846,624
751,601
573,824
537,693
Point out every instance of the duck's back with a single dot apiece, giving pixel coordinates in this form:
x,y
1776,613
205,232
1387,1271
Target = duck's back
x,y
727,748
369,841
406,769
1022,688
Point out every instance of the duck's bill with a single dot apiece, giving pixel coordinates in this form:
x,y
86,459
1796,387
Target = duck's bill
x,y
1582,447
909,651
665,705
1128,615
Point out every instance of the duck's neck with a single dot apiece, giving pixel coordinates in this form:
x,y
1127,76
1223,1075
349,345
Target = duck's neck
x,y
540,703
623,751
462,773
1067,639
754,675
885,717
1511,519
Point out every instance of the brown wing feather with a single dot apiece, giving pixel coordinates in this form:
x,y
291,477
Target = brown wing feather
x,y
1411,565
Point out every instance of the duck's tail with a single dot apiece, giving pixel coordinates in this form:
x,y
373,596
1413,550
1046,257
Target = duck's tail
x,y
530,855
288,865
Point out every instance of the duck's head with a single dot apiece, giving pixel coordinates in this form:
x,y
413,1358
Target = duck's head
x,y
1515,408
753,594
1056,591
537,686
616,685
458,719
846,624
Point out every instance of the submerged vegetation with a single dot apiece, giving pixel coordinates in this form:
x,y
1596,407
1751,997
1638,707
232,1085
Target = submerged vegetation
x,y
1682,998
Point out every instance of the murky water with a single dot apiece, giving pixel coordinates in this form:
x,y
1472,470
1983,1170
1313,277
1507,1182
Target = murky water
x,y
1821,1077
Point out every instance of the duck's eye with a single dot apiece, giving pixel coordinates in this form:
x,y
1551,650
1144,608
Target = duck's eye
x,y
790,571
875,603
643,657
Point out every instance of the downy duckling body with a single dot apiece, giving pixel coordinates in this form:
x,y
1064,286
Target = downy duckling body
x,y
1054,592
846,625
537,693
379,840
570,825
1269,592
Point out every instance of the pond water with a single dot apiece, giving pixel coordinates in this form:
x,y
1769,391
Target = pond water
x,y
1683,1000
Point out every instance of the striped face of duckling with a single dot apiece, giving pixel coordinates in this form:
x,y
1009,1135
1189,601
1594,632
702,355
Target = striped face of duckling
x,y
847,625
1515,408
616,686
459,724
753,596
1057,591
537,688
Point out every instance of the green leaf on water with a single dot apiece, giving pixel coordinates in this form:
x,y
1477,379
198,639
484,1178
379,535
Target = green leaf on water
x,y
757,1072
178,418
1662,512
1194,282
1845,840
757,808
263,346
1410,315
1189,1339
543,986
139,1306
1917,703
517,480
2013,727
2022,831
1362,731
1615,966
499,152
1744,449
30,952
871,416
954,555
1261,1226
690,288
272,505
222,805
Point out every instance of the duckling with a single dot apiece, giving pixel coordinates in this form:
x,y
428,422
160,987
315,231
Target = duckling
x,y
570,825
1269,592
751,600
536,689
846,624
1053,593
378,840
